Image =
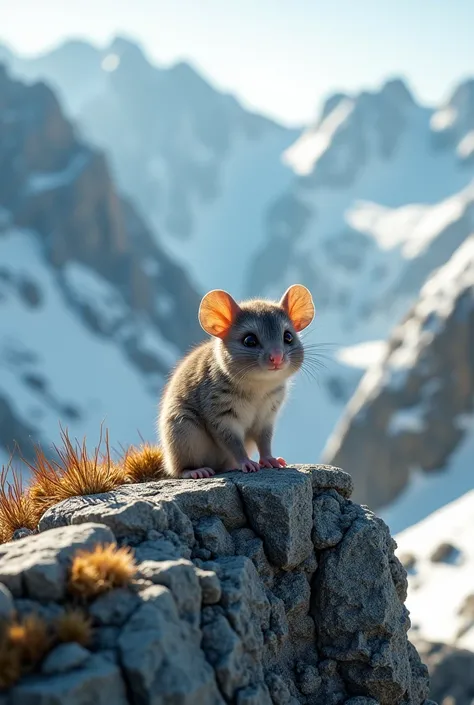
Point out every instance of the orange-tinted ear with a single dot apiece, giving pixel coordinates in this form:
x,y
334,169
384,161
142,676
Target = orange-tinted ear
x,y
298,303
217,312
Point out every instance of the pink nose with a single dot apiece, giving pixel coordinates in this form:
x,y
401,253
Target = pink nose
x,y
276,357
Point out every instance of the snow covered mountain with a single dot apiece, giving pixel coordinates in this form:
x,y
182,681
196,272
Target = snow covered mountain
x,y
439,557
361,207
93,312
200,168
379,201
408,432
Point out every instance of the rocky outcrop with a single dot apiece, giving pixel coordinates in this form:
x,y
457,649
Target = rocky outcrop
x,y
263,589
451,672
411,410
74,254
59,187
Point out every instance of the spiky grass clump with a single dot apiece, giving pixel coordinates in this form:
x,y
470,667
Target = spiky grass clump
x,y
10,661
17,510
143,464
73,625
74,473
31,637
23,644
100,570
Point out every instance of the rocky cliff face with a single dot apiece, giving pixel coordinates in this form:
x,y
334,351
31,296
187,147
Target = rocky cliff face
x,y
86,291
264,589
414,410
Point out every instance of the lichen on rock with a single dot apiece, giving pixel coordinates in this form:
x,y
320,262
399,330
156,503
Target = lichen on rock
x,y
273,589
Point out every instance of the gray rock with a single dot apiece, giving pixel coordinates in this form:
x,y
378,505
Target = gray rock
x,y
359,700
201,554
294,591
98,682
224,651
327,477
216,497
49,611
248,544
154,594
6,602
327,522
213,536
105,638
180,577
244,600
309,565
188,500
113,608
278,619
210,586
162,658
158,550
36,566
361,622
279,507
63,658
309,680
279,690
254,695
132,520
130,511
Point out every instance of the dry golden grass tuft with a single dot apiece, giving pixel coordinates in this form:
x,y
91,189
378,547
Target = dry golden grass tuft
x,y
31,637
73,625
10,664
73,474
23,644
103,568
17,510
143,464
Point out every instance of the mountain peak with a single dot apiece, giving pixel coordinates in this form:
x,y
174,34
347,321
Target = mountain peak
x,y
126,48
397,90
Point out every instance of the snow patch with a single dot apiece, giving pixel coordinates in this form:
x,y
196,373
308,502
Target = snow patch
x,y
110,62
411,228
363,355
465,148
39,182
443,119
407,420
92,290
305,152
442,585
152,342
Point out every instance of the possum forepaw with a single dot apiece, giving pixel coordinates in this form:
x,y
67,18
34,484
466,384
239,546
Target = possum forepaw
x,y
250,466
270,462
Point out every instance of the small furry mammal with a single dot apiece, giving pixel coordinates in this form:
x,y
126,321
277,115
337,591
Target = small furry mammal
x,y
222,399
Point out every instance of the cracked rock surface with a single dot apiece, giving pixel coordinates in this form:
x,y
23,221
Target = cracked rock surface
x,y
265,589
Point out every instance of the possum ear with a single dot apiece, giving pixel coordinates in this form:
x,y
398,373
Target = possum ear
x,y
217,313
298,304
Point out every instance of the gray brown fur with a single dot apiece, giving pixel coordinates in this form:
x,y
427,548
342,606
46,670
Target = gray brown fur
x,y
222,401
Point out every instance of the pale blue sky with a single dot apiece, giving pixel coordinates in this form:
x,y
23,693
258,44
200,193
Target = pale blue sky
x,y
281,57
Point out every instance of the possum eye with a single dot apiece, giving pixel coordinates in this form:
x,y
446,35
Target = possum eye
x,y
250,341
288,337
